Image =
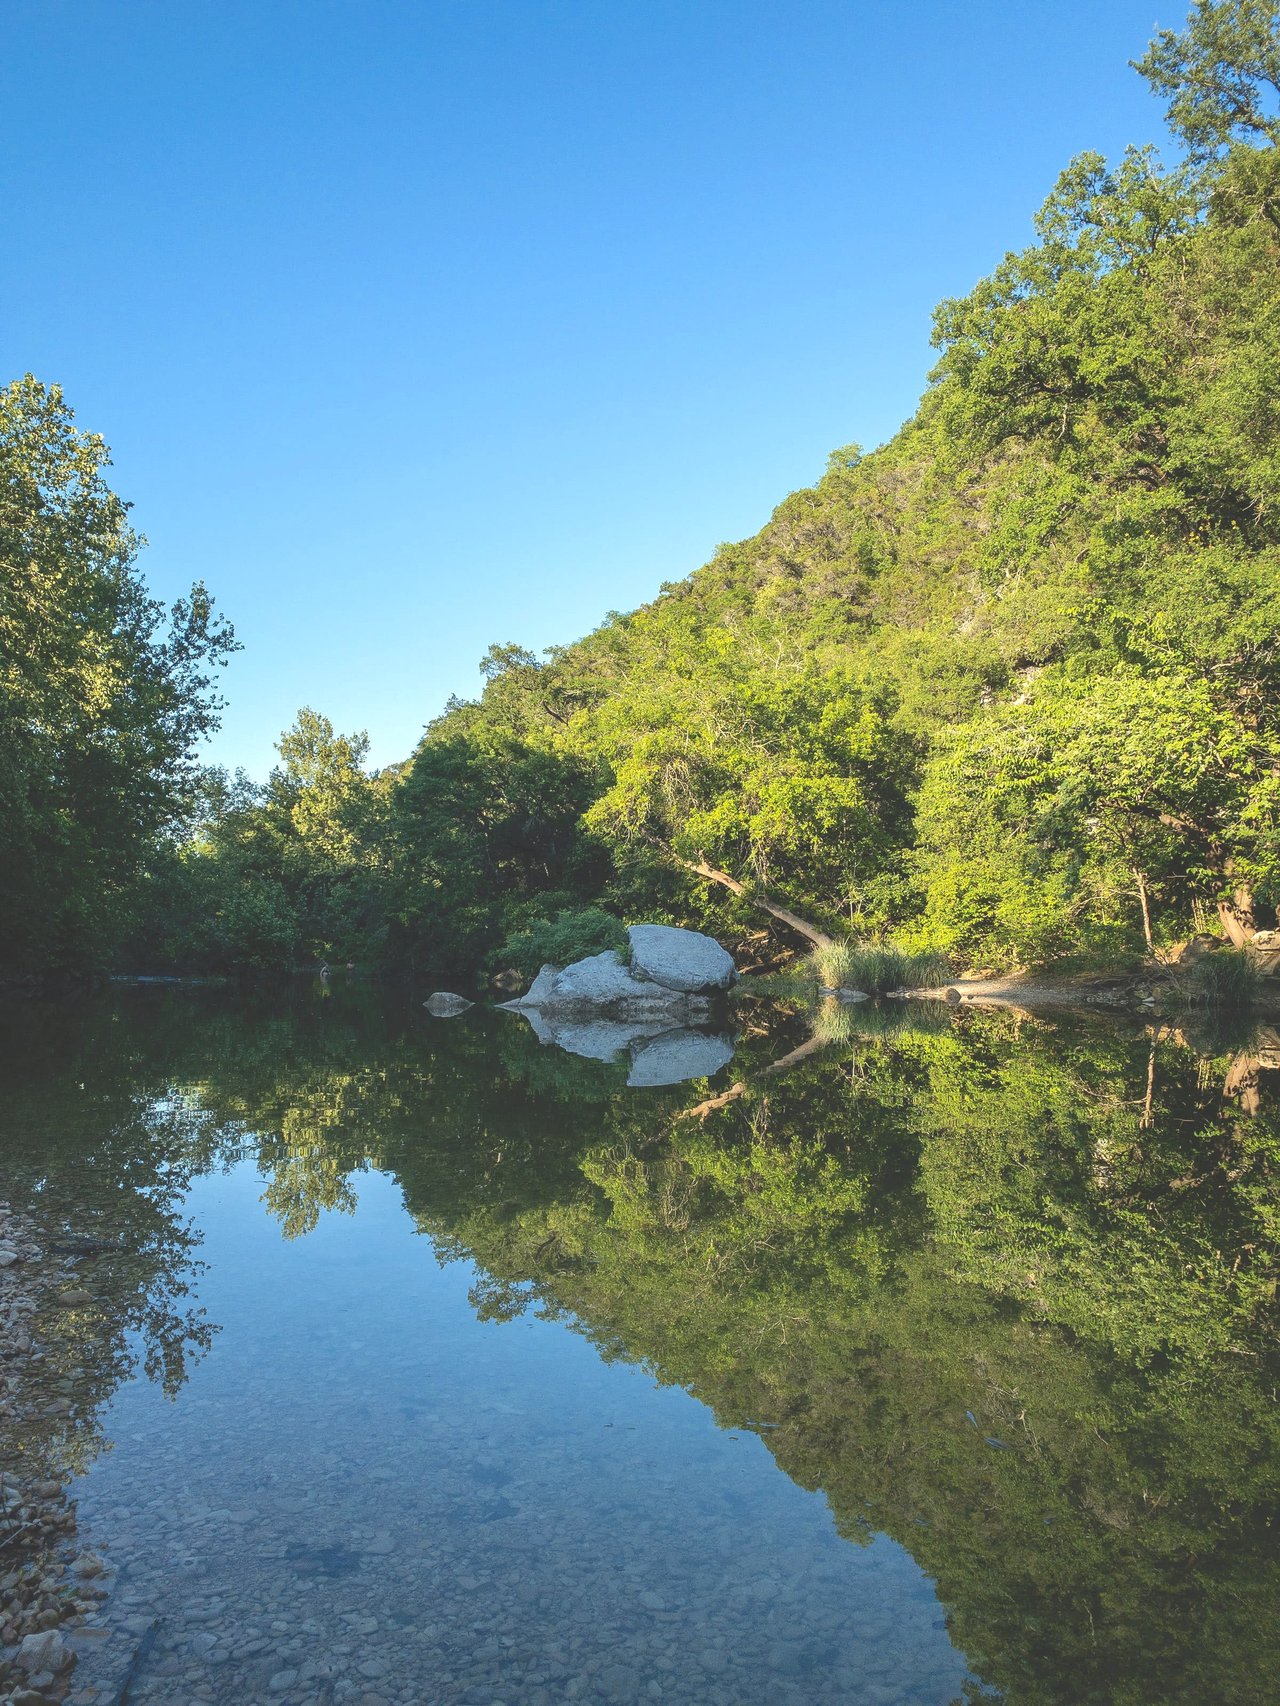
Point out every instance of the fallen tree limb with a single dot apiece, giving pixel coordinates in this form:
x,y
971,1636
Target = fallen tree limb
x,y
703,868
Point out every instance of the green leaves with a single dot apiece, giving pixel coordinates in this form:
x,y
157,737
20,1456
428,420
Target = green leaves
x,y
1221,75
102,700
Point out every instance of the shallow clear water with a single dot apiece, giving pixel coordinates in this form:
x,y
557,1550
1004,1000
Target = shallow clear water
x,y
869,1386
387,1490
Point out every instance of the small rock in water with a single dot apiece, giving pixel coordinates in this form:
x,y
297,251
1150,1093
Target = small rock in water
x,y
45,1651
282,1681
443,1005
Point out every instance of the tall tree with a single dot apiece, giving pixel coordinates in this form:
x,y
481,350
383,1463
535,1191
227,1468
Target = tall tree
x,y
103,694
1220,75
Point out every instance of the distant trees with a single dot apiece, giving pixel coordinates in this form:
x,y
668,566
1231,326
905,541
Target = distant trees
x,y
269,877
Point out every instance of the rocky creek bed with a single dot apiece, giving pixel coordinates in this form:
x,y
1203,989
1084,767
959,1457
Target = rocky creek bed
x,y
382,1548
49,1587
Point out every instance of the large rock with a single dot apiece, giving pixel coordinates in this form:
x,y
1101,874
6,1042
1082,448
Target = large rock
x,y
601,981
603,986
45,1651
683,960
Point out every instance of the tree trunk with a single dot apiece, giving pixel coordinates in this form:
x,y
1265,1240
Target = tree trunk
x,y
1237,918
810,1046
1146,911
798,924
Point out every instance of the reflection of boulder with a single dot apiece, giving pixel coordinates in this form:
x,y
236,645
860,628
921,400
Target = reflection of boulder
x,y
593,1038
657,1052
678,1055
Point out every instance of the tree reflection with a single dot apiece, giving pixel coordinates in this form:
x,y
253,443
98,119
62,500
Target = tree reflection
x,y
1002,1288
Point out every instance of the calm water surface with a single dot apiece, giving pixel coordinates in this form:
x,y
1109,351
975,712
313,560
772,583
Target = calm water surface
x,y
938,1366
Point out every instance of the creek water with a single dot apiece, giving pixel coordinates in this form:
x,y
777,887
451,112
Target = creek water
x,y
430,1364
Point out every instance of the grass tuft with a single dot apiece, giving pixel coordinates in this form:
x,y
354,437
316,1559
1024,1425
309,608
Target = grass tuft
x,y
875,969
1226,978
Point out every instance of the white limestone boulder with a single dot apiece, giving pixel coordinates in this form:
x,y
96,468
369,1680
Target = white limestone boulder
x,y
683,960
602,985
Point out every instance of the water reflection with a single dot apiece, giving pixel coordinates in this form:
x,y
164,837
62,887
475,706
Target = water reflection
x,y
1002,1291
655,1053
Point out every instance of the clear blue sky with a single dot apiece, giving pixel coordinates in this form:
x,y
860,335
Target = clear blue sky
x,y
416,326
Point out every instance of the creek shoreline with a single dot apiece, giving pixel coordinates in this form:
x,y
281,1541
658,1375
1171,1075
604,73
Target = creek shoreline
x,y
48,1583
1144,993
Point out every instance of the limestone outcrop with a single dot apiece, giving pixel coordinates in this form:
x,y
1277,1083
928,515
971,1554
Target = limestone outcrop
x,y
680,959
673,974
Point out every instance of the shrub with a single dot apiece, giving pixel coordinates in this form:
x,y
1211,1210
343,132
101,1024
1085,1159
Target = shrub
x,y
571,935
1225,978
875,969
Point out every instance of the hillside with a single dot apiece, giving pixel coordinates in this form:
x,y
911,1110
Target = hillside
x,y
1004,689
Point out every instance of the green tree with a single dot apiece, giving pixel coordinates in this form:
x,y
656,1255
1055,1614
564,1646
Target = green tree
x,y
1220,75
103,698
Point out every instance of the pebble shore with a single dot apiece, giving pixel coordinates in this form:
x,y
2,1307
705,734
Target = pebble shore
x,y
48,1586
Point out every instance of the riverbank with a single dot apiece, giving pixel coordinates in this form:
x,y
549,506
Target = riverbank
x,y
1149,991
47,1584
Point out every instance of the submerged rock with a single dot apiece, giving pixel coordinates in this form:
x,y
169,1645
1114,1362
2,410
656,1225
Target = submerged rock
x,y
443,1005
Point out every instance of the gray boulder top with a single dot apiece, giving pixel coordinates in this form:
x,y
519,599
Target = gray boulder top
x,y
683,960
668,967
602,984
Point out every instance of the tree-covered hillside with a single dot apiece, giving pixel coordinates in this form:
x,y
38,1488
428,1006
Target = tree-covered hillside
x,y
1005,687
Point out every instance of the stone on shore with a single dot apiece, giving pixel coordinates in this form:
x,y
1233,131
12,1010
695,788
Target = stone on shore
x,y
45,1651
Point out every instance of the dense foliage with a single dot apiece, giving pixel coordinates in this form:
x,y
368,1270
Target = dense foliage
x,y
102,699
1007,688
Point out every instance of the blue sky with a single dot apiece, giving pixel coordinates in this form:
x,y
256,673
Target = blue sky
x,y
415,327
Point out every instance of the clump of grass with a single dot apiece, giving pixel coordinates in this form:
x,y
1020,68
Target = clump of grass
x,y
876,969
1226,978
